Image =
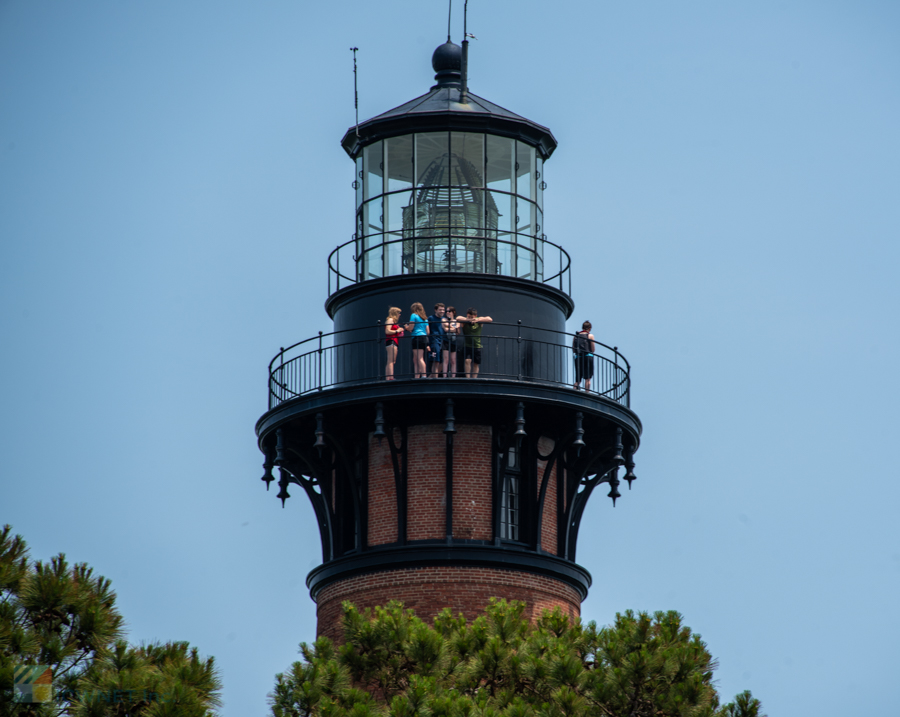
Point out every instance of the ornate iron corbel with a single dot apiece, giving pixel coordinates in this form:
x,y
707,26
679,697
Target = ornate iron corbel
x,y
283,495
320,433
578,443
268,464
379,421
449,419
520,420
629,467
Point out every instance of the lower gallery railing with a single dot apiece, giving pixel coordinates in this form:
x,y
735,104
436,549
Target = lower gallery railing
x,y
509,352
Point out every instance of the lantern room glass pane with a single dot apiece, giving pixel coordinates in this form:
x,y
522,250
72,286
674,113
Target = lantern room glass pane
x,y
525,262
393,254
467,159
396,207
525,170
526,217
359,180
373,170
538,181
372,213
432,152
505,207
399,163
500,165
505,257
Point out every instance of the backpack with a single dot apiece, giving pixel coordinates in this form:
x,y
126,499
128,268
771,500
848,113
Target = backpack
x,y
581,344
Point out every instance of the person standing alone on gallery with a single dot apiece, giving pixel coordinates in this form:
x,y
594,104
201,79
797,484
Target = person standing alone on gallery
x,y
583,351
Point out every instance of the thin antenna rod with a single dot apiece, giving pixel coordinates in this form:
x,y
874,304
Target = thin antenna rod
x,y
449,14
464,85
355,92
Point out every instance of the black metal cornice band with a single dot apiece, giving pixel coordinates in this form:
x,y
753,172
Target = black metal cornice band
x,y
458,389
378,129
487,556
510,285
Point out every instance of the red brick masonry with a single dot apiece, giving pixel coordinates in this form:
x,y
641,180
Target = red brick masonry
x,y
426,488
430,590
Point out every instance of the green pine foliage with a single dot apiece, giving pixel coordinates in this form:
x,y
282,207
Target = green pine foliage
x,y
64,616
392,664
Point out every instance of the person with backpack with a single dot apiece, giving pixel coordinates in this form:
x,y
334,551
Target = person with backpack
x,y
583,351
436,334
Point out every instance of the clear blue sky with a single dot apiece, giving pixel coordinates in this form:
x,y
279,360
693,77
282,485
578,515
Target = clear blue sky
x,y
171,181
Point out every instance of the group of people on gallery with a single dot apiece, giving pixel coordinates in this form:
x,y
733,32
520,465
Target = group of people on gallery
x,y
438,342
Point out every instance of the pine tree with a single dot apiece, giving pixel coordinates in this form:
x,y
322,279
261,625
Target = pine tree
x,y
63,616
500,665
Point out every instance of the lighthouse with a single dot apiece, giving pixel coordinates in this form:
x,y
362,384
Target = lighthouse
x,y
448,490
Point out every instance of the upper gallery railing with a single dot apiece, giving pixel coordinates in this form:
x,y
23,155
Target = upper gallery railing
x,y
539,260
509,352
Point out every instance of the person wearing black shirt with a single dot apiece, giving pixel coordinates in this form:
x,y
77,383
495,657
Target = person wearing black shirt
x,y
435,342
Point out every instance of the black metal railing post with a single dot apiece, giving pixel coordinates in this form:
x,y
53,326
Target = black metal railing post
x,y
519,349
320,361
379,343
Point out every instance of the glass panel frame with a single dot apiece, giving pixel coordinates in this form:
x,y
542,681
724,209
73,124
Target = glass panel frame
x,y
500,160
399,163
373,174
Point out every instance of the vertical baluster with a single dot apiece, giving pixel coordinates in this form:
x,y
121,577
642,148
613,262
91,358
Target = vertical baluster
x,y
519,349
281,380
616,392
560,269
320,360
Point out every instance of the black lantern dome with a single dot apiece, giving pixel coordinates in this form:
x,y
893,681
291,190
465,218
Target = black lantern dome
x,y
447,63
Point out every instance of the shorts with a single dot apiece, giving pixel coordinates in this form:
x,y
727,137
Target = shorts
x,y
584,367
450,339
473,353
419,342
391,342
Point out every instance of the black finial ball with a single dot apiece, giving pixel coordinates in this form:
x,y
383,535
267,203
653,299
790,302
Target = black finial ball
x,y
447,57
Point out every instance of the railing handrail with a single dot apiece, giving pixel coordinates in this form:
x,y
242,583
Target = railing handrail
x,y
620,388
319,336
335,253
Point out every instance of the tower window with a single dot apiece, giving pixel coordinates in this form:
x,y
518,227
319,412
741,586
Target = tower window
x,y
509,500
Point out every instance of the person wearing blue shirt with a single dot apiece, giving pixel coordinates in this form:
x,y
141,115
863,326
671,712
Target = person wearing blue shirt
x,y
418,329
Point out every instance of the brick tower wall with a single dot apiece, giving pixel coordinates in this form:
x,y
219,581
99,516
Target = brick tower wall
x,y
426,485
429,590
